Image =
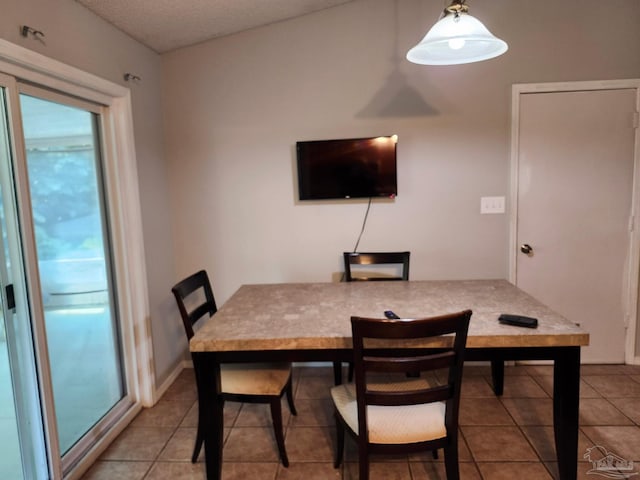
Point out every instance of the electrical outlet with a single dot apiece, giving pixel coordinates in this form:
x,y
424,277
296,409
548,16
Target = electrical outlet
x,y
491,205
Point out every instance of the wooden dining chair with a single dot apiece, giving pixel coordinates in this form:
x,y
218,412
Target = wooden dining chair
x,y
408,415
240,382
369,259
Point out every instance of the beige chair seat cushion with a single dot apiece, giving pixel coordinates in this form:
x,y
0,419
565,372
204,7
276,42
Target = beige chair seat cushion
x,y
254,378
392,425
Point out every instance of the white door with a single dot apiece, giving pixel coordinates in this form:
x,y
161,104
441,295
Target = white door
x,y
575,169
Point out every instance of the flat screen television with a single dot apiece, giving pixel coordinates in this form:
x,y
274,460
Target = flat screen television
x,y
347,168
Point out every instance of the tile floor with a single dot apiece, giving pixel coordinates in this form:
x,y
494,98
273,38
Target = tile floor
x,y
501,438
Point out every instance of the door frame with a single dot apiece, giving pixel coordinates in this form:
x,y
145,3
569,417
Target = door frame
x,y
632,281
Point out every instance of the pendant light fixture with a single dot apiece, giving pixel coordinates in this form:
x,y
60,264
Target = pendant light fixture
x,y
456,38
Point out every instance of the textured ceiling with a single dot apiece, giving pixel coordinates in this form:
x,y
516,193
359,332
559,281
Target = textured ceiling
x,y
164,25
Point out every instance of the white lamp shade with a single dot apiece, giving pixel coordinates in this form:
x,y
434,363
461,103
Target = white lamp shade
x,y
454,40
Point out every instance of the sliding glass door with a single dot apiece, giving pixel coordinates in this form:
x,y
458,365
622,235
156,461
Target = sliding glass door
x,y
57,286
11,461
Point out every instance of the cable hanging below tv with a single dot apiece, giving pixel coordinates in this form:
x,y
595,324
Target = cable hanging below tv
x,y
347,168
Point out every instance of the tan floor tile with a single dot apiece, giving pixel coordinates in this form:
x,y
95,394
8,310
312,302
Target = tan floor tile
x,y
351,455
109,470
472,370
177,471
310,444
436,471
318,371
183,388
530,411
476,387
379,471
230,412
623,441
483,411
509,471
138,443
609,370
546,383
187,394
583,471
313,412
543,442
252,444
629,406
598,411
522,387
165,413
586,390
259,415
309,471
187,374
295,380
515,370
249,471
488,434
191,418
538,370
179,448
614,386
498,444
314,387
464,455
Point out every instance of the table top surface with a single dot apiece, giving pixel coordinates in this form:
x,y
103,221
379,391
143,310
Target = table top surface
x,y
317,315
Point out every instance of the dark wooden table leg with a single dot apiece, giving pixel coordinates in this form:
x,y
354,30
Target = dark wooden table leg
x,y
210,409
497,376
566,402
337,373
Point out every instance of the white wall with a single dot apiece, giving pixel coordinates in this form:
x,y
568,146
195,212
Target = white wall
x,y
234,108
75,36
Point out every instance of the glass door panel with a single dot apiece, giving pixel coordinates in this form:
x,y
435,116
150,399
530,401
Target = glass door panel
x,y
23,454
10,455
63,163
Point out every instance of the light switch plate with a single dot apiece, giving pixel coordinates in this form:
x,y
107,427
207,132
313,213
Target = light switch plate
x,y
491,205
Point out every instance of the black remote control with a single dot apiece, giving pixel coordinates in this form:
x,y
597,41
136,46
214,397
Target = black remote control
x,y
518,320
390,314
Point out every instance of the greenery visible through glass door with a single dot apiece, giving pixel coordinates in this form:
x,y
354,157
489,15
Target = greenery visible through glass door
x,y
63,163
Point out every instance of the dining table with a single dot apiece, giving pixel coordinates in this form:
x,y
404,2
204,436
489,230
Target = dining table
x,y
310,322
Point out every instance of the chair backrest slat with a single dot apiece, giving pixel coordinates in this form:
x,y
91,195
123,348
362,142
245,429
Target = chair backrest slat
x,y
198,282
409,397
418,363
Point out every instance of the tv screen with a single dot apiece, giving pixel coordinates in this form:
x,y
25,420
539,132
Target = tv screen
x,y
347,168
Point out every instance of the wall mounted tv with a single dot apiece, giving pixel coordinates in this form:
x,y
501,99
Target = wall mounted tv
x,y
347,168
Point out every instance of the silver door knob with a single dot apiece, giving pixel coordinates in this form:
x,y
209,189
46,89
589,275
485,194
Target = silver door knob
x,y
526,249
